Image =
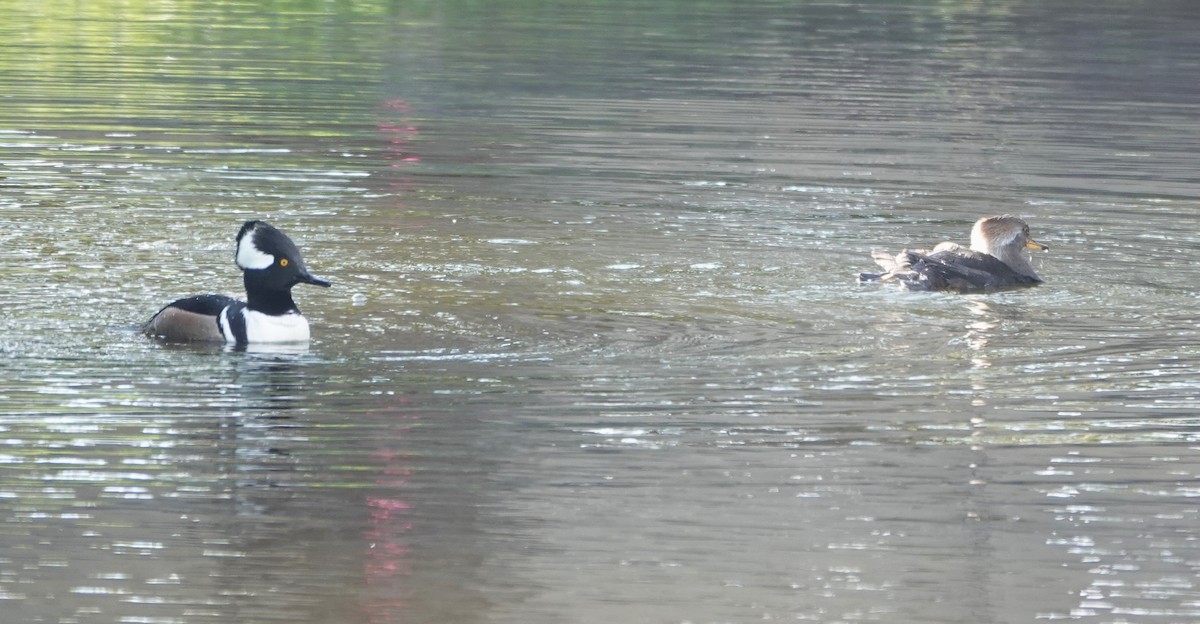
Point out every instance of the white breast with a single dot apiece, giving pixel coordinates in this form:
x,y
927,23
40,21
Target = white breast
x,y
267,328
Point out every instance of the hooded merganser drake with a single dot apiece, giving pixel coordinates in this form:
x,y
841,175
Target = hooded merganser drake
x,y
996,259
271,264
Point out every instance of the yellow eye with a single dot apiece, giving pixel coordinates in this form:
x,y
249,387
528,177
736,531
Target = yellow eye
x,y
283,262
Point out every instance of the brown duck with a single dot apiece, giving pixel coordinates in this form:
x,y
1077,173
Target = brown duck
x,y
996,259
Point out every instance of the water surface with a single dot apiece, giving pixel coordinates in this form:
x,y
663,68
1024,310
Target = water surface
x,y
594,351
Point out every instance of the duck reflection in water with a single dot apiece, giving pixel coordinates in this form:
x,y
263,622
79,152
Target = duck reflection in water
x,y
996,259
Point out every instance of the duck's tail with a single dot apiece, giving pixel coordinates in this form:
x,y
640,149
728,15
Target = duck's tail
x,y
898,267
893,265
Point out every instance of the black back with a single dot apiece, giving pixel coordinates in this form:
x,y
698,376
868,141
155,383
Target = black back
x,y
208,305
964,269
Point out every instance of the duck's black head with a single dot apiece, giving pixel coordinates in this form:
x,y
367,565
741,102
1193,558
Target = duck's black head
x,y
271,264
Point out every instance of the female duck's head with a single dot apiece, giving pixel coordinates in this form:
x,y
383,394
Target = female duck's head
x,y
1006,238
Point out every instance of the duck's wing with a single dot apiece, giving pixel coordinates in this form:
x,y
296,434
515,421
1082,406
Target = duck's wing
x,y
890,262
885,260
899,266
963,269
208,305
190,319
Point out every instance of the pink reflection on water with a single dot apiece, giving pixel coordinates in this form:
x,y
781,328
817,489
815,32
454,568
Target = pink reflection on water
x,y
386,560
399,133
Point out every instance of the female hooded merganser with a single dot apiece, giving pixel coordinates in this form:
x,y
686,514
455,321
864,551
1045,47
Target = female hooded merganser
x,y
995,260
271,264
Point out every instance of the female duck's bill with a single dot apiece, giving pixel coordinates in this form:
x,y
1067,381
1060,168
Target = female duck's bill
x,y
996,259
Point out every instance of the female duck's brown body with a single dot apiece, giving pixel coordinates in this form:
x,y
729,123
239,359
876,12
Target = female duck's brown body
x,y
996,259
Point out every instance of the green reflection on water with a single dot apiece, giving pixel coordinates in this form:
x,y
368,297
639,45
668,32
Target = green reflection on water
x,y
190,69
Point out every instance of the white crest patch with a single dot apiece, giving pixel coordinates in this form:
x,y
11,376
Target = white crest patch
x,y
249,256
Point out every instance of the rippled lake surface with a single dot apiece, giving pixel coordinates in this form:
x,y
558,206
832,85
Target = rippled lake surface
x,y
594,350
